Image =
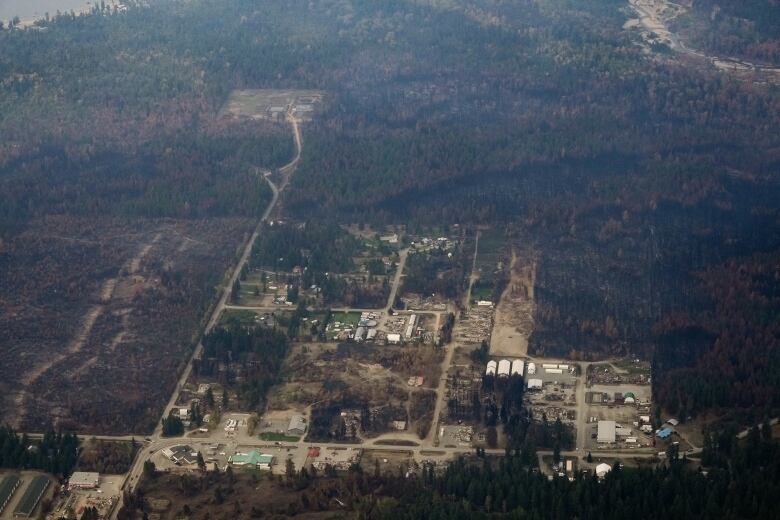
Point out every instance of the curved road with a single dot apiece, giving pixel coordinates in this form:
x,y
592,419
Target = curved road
x,y
155,443
651,19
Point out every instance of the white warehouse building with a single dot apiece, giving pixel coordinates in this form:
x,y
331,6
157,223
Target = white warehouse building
x,y
504,366
517,367
491,368
606,431
535,384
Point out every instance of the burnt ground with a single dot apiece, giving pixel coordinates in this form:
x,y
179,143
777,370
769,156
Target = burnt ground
x,y
247,495
98,316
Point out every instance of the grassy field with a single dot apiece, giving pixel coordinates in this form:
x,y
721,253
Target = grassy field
x,y
351,318
633,368
244,317
278,437
489,250
481,290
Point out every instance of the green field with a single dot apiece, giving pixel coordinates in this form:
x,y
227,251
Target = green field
x,y
481,291
346,317
633,368
278,437
242,316
491,241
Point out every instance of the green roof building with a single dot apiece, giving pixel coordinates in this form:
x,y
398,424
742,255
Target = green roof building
x,y
253,459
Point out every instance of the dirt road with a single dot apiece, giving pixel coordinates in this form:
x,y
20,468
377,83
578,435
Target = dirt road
x,y
655,15
514,322
441,392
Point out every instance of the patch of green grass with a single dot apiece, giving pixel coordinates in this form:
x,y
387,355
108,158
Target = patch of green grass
x,y
489,249
242,316
481,292
633,368
278,437
346,317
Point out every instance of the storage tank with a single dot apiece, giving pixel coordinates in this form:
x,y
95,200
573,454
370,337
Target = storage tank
x,y
531,368
504,366
517,367
491,368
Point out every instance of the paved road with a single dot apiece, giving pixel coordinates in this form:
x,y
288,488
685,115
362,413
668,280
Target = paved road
x,y
132,478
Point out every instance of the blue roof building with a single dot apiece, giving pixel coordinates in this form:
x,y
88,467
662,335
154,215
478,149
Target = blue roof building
x,y
665,433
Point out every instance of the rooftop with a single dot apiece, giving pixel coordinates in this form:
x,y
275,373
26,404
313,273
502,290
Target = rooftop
x,y
253,458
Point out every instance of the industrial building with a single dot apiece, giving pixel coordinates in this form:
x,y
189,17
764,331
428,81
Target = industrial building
x,y
534,384
360,334
32,496
410,327
504,366
297,425
84,480
606,432
393,339
492,366
7,489
518,365
531,369
665,433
